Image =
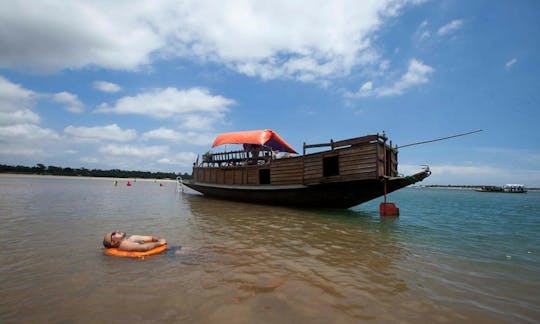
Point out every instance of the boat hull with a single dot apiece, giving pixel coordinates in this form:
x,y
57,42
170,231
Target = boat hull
x,y
325,195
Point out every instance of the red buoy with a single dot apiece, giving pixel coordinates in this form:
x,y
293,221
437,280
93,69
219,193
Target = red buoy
x,y
388,209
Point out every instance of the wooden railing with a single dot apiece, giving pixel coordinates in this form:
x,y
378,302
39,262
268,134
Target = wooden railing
x,y
348,142
240,157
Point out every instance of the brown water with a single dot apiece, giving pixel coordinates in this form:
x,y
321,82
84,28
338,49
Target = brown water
x,y
245,263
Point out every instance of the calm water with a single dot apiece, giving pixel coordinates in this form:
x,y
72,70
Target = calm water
x,y
451,256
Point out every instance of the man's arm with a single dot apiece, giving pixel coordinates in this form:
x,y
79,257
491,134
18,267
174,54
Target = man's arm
x,y
128,245
143,238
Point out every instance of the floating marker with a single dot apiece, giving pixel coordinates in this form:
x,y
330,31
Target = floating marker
x,y
388,209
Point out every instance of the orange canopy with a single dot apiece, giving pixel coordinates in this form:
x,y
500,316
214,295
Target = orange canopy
x,y
264,137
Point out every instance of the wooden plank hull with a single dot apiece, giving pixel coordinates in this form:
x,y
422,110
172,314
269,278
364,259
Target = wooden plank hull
x,y
344,194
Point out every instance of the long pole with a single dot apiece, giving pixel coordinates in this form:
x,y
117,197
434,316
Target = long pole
x,y
440,139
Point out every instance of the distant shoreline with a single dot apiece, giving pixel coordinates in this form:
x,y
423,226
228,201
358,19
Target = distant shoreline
x,y
26,175
6,175
459,187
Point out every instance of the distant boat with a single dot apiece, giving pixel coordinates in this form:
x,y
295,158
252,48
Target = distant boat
x,y
508,188
349,172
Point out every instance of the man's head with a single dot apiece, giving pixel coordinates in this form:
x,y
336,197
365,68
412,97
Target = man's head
x,y
113,239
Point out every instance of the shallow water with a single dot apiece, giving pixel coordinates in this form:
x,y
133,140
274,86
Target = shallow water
x,y
451,256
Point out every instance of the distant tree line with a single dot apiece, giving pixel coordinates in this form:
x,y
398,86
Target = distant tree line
x,y
453,186
467,187
83,172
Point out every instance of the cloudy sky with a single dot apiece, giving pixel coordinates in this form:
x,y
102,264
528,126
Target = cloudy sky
x,y
146,85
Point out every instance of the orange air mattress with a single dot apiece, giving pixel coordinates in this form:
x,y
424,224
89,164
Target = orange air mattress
x,y
134,254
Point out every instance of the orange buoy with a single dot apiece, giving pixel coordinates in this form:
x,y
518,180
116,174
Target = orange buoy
x,y
134,254
388,209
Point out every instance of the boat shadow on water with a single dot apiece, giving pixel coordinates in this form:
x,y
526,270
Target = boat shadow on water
x,y
268,225
304,248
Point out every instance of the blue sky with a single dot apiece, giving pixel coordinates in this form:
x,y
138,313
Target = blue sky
x,y
147,85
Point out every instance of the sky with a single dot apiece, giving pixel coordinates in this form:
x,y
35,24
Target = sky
x,y
147,85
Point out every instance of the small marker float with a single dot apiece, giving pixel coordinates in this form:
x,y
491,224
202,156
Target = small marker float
x,y
134,254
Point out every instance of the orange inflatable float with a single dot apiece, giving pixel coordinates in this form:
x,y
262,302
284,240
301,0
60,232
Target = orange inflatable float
x,y
135,254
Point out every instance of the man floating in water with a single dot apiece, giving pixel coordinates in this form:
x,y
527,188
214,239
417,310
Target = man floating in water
x,y
137,243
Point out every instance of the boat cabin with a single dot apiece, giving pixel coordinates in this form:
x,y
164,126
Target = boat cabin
x,y
362,158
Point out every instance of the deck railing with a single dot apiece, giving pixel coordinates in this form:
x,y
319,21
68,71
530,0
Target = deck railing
x,y
233,158
349,142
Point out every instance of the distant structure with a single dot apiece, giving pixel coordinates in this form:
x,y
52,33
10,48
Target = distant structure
x,y
508,188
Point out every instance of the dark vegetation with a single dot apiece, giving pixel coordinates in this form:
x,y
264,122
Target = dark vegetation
x,y
83,172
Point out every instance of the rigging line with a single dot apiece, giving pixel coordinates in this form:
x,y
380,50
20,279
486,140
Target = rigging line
x,y
440,139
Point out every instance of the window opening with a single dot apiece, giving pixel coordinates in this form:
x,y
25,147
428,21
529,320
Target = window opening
x,y
264,176
331,166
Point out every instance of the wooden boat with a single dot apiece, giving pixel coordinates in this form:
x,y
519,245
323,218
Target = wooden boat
x,y
347,173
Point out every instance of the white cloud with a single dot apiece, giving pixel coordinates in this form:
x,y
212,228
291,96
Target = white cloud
x,y
422,31
20,134
249,36
456,174
466,170
89,159
183,137
191,105
22,116
16,103
76,34
134,151
417,73
450,27
24,132
200,121
107,86
182,159
72,102
107,133
162,134
508,65
365,90
13,97
479,174
276,39
22,151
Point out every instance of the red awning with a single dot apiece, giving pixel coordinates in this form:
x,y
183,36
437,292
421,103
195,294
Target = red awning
x,y
264,137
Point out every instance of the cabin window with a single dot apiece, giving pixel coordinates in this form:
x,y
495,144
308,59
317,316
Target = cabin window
x,y
264,176
331,166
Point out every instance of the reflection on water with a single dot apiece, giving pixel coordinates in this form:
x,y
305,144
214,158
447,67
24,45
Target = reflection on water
x,y
239,263
310,261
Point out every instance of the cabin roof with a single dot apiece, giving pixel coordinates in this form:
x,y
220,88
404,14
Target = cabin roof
x,y
265,137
